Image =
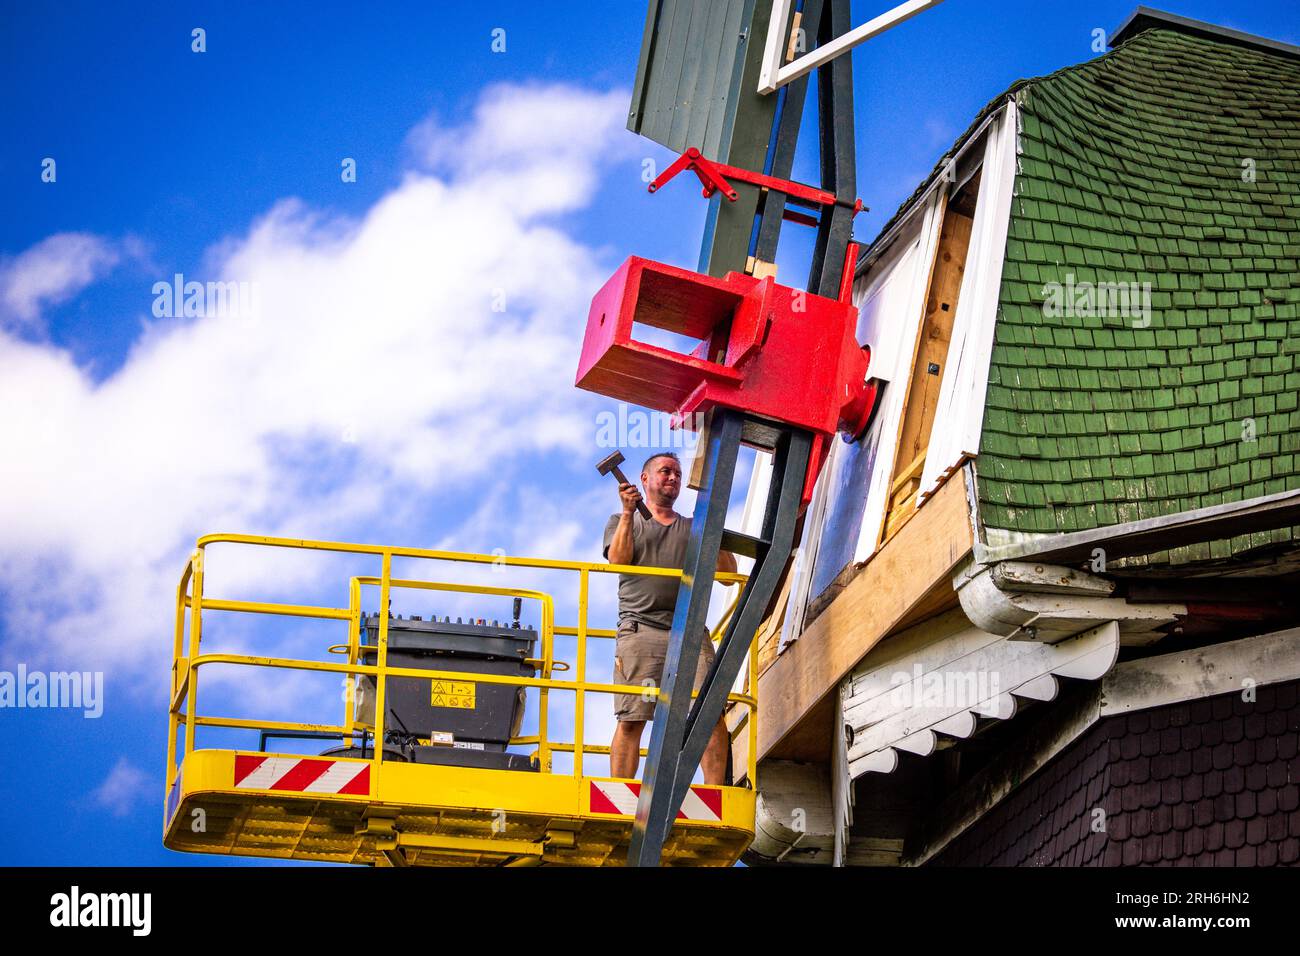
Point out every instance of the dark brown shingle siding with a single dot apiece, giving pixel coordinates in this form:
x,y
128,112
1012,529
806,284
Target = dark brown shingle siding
x,y
1212,782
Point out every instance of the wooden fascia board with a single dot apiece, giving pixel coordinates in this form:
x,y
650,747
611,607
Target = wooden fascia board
x,y
897,578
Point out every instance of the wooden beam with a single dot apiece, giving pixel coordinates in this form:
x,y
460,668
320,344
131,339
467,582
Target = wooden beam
x,y
1201,672
930,351
811,739
894,582
937,600
911,471
941,303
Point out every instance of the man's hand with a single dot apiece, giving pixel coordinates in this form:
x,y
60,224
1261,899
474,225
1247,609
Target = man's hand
x,y
630,497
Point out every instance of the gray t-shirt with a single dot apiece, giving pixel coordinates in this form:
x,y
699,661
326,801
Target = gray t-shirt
x,y
651,599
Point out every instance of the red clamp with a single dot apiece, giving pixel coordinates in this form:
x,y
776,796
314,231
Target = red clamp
x,y
714,178
775,352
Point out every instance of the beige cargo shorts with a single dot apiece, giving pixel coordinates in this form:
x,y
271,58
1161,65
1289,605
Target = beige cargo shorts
x,y
639,652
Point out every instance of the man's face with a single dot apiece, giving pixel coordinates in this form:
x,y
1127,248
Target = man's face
x,y
662,481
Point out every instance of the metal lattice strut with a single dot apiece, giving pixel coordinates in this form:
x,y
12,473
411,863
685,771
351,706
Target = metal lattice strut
x,y
681,732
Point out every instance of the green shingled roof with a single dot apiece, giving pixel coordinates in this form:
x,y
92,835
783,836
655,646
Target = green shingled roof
x,y
1135,168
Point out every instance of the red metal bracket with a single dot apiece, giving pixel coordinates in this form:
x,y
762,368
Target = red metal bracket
x,y
714,178
768,350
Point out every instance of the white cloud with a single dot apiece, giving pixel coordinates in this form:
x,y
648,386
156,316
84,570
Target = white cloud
x,y
527,143
125,785
52,271
375,379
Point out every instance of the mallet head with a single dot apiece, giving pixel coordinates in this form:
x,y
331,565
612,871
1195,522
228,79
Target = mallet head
x,y
609,466
610,462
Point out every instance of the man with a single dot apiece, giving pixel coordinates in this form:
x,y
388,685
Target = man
x,y
645,611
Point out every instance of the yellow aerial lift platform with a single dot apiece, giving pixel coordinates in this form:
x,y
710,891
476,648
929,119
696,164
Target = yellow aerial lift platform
x,y
383,810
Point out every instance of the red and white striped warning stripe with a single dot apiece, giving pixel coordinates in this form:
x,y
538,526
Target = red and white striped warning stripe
x,y
608,796
301,776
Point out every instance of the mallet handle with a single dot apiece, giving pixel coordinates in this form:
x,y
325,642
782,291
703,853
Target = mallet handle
x,y
617,472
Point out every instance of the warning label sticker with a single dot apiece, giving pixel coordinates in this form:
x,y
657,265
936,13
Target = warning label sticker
x,y
446,693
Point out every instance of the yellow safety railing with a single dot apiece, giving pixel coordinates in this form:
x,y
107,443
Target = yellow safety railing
x,y
187,656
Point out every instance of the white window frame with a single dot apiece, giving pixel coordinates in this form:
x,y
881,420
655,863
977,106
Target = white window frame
x,y
959,411
774,75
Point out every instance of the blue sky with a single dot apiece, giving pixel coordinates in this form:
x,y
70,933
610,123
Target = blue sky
x,y
407,374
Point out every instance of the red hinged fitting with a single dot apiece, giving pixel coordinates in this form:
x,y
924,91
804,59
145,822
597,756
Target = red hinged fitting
x,y
714,178
766,349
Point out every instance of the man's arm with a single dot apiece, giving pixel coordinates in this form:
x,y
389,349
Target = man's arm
x,y
620,545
